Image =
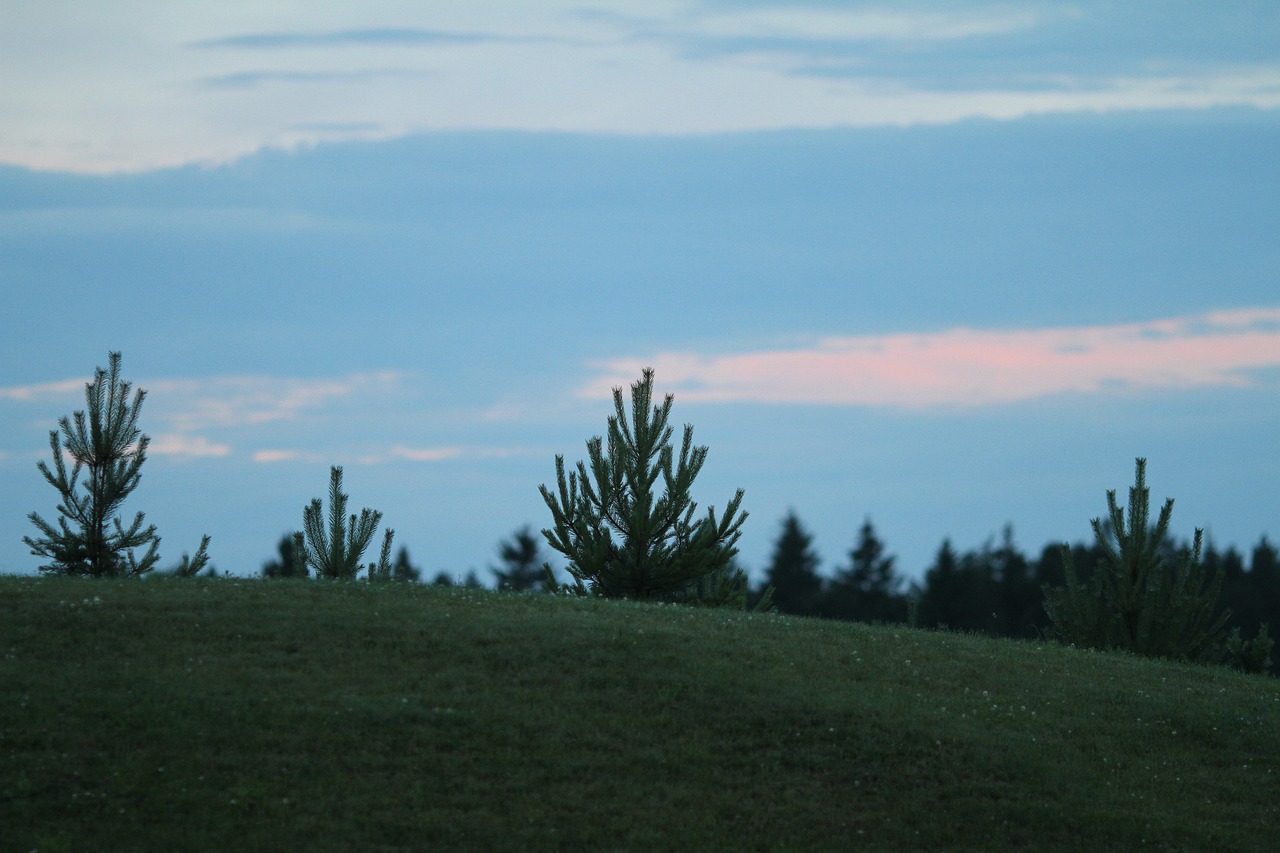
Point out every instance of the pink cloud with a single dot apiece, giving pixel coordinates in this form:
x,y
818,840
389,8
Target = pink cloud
x,y
276,456
427,454
970,367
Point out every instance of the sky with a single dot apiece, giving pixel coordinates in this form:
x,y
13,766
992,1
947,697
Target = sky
x,y
946,266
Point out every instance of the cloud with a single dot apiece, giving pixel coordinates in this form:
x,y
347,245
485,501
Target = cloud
x,y
870,25
950,64
252,79
192,446
269,456
426,454
967,367
128,99
23,393
337,127
239,401
397,452
375,37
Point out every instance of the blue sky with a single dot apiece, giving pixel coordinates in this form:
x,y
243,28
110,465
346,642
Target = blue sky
x,y
948,265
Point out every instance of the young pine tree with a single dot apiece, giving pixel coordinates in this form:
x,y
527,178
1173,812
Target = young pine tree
x,y
1136,601
104,440
335,552
290,562
622,537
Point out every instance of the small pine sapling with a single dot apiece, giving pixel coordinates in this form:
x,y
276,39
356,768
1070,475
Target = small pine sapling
x,y
382,570
621,539
1135,601
335,552
1253,656
194,564
105,441
299,556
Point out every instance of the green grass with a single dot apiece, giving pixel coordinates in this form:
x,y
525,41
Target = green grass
x,y
254,715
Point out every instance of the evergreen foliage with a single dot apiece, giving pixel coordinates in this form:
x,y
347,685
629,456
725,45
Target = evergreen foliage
x,y
621,539
1252,655
728,586
382,570
1136,601
942,602
192,565
521,556
793,570
868,590
335,552
1020,612
403,570
470,581
103,440
290,562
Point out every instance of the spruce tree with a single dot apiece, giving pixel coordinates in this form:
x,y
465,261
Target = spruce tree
x,y
403,570
868,590
1019,599
793,570
521,556
1138,600
335,551
940,600
103,440
622,538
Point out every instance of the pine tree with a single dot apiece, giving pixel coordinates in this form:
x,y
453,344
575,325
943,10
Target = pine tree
x,y
868,590
105,441
190,566
793,570
621,539
522,557
290,562
1136,600
336,552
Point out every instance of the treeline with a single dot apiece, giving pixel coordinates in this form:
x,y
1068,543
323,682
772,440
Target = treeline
x,y
994,589
625,523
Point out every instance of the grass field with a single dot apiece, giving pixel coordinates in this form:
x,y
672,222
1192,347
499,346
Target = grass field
x,y
273,715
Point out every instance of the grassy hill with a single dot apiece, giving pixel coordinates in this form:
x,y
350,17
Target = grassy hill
x,y
253,715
